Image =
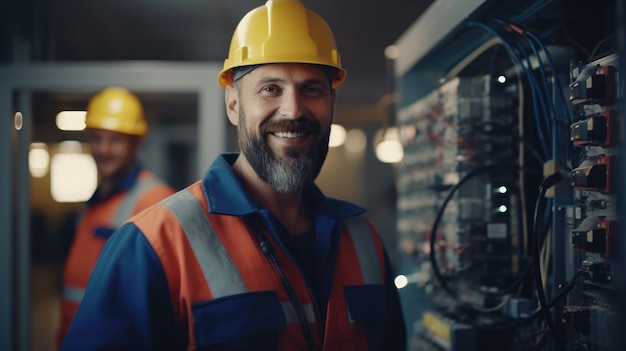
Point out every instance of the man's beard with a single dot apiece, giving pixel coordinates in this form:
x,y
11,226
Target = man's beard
x,y
293,172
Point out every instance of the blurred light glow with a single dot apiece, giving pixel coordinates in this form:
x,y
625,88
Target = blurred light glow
x,y
388,148
71,120
18,120
401,281
73,177
390,151
501,79
502,189
355,140
408,134
70,146
502,209
337,135
38,159
392,52
451,178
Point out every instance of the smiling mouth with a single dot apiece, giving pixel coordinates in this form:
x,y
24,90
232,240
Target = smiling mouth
x,y
289,135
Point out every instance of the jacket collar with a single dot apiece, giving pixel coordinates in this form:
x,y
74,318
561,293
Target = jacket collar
x,y
225,194
124,185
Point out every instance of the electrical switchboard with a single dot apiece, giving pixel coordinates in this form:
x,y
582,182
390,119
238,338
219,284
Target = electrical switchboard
x,y
509,190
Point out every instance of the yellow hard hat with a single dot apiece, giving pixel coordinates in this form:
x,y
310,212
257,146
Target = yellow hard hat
x,y
282,31
116,109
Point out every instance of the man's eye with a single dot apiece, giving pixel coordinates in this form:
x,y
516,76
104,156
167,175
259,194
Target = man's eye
x,y
270,89
313,90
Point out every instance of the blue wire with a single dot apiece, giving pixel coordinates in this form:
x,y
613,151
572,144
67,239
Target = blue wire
x,y
554,97
549,110
551,121
557,82
566,115
530,77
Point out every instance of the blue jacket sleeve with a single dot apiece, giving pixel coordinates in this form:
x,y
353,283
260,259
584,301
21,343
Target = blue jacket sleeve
x,y
127,304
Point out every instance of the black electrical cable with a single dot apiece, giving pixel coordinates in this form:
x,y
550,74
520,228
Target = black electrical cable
x,y
517,281
439,216
268,250
545,307
539,346
541,294
569,286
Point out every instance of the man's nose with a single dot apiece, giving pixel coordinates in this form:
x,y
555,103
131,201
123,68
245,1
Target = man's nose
x,y
103,146
291,104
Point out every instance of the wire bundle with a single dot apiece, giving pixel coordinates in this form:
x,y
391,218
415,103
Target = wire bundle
x,y
538,75
550,107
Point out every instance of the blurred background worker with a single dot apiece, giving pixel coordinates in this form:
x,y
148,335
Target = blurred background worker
x,y
115,129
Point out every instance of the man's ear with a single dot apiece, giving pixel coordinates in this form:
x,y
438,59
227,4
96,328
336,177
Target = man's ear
x,y
231,98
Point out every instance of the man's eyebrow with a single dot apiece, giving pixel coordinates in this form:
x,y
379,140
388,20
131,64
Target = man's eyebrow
x,y
269,80
315,81
306,82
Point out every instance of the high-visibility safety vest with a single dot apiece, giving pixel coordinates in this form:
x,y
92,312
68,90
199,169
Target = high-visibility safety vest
x,y
225,289
95,224
190,273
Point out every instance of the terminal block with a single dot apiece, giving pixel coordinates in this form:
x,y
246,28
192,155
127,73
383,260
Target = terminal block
x,y
594,235
596,88
594,175
595,130
598,272
577,318
448,334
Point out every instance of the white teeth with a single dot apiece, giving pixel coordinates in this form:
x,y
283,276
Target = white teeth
x,y
288,135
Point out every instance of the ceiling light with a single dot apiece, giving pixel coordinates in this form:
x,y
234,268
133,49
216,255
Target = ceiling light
x,y
337,135
73,174
388,147
38,159
71,120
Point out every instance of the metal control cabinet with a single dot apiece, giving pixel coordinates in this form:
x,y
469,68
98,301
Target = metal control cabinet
x,y
509,192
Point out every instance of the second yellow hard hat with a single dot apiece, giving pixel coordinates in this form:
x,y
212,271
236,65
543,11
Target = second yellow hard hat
x,y
116,109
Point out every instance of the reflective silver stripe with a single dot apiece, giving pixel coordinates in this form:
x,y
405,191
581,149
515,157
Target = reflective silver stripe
x,y
72,294
220,272
365,247
217,266
292,317
125,210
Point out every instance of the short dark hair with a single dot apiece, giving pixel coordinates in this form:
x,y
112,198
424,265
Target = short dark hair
x,y
241,71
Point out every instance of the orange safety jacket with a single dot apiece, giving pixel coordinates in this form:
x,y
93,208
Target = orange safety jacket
x,y
189,274
95,223
212,259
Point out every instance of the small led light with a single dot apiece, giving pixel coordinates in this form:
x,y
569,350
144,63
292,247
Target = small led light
x,y
401,281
